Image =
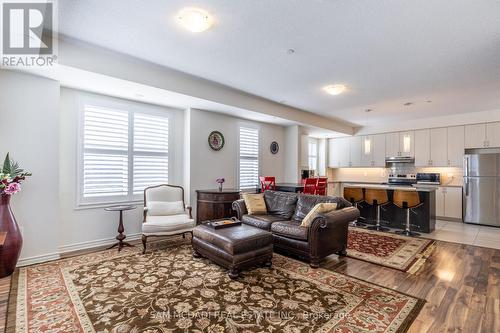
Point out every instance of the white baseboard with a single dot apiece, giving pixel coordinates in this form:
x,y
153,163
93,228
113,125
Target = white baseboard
x,y
95,243
70,248
37,259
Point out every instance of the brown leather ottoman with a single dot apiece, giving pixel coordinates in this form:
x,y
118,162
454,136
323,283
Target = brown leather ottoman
x,y
234,248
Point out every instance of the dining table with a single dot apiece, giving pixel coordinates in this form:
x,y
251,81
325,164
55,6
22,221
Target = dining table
x,y
287,187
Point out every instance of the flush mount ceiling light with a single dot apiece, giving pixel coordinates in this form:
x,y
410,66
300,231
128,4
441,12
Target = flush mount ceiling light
x,y
335,89
195,19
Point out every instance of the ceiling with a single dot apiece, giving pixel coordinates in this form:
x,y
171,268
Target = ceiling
x,y
388,52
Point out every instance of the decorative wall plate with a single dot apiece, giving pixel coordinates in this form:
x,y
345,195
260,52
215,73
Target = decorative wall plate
x,y
274,147
216,140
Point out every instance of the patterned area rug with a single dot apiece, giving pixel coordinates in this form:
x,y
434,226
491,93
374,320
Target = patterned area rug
x,y
407,254
167,290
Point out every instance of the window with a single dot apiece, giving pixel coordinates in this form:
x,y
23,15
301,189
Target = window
x,y
124,151
249,158
313,154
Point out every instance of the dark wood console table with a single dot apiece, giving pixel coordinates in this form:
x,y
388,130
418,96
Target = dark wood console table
x,y
215,204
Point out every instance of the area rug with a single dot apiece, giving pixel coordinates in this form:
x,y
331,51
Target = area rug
x,y
167,290
407,254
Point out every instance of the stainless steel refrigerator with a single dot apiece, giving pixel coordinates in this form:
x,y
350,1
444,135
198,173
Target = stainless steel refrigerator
x,y
482,187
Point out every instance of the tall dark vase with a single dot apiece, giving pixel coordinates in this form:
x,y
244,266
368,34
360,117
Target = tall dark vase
x,y
9,252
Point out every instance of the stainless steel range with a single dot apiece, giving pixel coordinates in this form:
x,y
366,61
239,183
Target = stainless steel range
x,y
402,179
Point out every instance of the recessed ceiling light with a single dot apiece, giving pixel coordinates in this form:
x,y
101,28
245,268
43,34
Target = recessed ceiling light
x,y
290,51
195,19
408,103
428,101
335,89
368,110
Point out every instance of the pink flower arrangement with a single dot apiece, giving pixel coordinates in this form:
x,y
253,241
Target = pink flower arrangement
x,y
220,180
11,176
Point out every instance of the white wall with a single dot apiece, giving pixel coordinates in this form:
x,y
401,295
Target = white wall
x,y
30,125
207,165
83,228
292,150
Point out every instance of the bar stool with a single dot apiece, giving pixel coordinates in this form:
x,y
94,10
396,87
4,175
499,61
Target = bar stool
x,y
377,198
407,200
355,196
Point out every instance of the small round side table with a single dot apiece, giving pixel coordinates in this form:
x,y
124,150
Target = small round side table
x,y
121,236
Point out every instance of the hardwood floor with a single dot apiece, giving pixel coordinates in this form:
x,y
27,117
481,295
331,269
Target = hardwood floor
x,y
461,284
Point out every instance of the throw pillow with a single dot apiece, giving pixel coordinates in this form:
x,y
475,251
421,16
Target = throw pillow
x,y
321,208
162,208
255,203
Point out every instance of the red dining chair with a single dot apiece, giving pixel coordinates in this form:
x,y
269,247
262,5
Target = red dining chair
x,y
310,185
267,183
321,187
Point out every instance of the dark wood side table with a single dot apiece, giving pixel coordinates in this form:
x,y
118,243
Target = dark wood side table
x,y
215,204
121,236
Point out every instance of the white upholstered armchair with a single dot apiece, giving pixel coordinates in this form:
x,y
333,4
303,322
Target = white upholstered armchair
x,y
165,213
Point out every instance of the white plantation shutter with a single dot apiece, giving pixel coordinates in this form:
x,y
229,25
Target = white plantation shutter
x,y
150,151
123,152
105,157
249,158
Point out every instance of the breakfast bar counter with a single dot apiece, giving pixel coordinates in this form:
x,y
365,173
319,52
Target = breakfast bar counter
x,y
423,217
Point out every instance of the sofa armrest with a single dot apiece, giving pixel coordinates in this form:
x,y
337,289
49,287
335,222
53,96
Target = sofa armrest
x,y
145,214
240,208
328,232
190,211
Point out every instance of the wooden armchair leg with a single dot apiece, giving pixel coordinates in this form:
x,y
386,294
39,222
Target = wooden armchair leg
x,y
144,240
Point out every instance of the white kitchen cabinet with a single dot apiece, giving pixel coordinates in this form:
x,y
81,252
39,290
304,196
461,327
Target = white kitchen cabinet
x,y
344,152
453,202
456,146
422,148
400,144
475,136
378,150
366,150
392,144
493,135
355,151
333,153
440,193
439,147
449,202
407,144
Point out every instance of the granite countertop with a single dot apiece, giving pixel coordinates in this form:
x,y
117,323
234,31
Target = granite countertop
x,y
393,187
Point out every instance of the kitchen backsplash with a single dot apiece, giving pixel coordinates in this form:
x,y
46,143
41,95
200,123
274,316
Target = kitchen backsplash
x,y
449,176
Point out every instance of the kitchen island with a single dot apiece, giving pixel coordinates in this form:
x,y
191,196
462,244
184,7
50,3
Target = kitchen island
x,y
425,218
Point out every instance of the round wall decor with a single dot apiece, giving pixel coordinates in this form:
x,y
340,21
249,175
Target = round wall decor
x,y
275,148
216,140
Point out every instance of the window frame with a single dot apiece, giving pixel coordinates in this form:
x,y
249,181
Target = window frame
x,y
259,153
131,107
310,142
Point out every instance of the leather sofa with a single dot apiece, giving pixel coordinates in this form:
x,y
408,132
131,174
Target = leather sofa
x,y
326,235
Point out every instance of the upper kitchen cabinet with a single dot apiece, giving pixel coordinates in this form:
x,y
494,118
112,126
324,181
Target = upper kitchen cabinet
x,y
455,146
439,146
333,153
493,134
400,144
482,135
344,152
373,150
392,144
355,151
423,148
